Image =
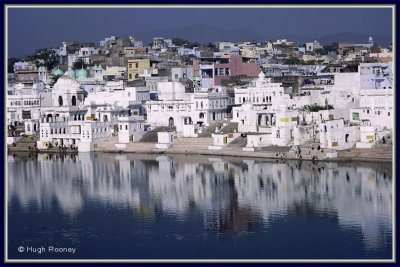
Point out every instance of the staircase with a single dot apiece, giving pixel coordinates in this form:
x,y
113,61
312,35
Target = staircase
x,y
191,144
238,142
26,143
208,131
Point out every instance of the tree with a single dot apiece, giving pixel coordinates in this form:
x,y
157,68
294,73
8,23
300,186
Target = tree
x,y
375,49
321,51
45,56
11,62
211,45
179,41
195,44
309,62
79,64
304,110
292,61
54,79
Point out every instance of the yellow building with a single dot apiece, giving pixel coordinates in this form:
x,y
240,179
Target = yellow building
x,y
136,67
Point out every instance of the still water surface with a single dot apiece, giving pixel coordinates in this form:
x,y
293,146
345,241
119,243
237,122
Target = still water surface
x,y
109,206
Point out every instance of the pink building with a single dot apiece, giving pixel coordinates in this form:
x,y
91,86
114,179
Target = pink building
x,y
227,66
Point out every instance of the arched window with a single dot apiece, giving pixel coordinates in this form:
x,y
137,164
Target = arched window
x,y
171,121
73,100
60,101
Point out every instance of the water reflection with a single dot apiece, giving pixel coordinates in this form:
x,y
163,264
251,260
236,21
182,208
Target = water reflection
x,y
231,194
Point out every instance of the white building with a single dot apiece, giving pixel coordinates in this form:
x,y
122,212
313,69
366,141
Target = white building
x,y
175,107
179,73
114,94
312,46
66,92
335,134
85,52
26,102
130,129
263,93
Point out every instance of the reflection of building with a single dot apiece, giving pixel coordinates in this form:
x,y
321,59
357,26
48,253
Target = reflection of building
x,y
230,194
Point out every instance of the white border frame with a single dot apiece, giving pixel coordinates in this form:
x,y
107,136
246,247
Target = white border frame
x,y
117,6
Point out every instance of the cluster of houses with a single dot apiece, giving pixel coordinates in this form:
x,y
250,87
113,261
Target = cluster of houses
x,y
270,91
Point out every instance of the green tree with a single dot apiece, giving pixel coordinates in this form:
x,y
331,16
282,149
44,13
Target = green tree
x,y
375,49
195,44
321,51
47,55
11,62
292,61
79,64
179,41
54,79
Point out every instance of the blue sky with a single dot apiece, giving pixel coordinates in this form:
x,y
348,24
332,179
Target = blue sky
x,y
33,28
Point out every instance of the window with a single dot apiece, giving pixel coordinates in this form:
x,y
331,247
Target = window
x,y
126,127
388,113
120,127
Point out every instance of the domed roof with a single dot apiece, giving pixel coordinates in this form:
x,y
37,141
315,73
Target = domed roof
x,y
247,106
82,73
71,72
97,67
66,82
58,72
261,75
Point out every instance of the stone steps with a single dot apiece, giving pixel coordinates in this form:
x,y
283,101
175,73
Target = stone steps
x,y
200,143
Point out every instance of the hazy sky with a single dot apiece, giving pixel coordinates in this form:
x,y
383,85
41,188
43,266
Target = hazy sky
x,y
33,28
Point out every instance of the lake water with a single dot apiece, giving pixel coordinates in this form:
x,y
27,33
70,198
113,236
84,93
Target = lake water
x,y
116,206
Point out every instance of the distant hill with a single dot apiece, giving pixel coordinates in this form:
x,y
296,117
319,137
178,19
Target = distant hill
x,y
203,34
354,37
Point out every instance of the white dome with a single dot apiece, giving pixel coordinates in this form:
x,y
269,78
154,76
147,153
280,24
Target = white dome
x,y
247,106
261,75
66,82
